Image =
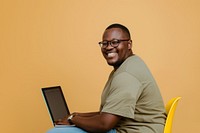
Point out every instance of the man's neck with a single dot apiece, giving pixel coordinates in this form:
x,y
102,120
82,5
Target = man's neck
x,y
116,67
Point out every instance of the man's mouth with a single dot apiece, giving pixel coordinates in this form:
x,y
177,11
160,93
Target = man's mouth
x,y
111,55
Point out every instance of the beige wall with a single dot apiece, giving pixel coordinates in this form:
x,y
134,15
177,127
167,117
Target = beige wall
x,y
46,42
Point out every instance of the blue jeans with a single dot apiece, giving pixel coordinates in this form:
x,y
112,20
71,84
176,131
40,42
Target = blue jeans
x,y
71,129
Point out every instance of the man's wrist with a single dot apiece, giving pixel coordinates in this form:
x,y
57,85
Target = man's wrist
x,y
69,119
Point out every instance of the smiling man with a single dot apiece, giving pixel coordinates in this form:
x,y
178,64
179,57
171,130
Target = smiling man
x,y
131,101
114,53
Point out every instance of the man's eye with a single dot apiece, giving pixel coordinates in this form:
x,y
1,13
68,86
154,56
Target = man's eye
x,y
115,42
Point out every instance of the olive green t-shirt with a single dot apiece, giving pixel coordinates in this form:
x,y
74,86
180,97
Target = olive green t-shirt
x,y
131,92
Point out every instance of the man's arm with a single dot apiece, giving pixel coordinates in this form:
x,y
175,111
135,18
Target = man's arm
x,y
89,114
100,122
94,122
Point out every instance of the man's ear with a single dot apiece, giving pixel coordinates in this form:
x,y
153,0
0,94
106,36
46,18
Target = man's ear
x,y
129,44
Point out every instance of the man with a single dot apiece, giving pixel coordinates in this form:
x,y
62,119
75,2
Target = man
x,y
131,101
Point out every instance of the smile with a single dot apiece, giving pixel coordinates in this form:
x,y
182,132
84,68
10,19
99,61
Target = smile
x,y
111,55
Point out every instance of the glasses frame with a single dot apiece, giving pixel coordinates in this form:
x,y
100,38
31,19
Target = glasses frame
x,y
114,43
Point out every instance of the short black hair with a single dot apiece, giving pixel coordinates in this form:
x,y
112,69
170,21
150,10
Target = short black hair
x,y
122,27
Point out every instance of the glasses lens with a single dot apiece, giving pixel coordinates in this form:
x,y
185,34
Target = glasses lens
x,y
115,43
103,44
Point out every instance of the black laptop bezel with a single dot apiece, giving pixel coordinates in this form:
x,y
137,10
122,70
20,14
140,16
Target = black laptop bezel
x,y
47,102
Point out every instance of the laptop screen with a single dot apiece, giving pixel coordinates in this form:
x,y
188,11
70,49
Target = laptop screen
x,y
56,103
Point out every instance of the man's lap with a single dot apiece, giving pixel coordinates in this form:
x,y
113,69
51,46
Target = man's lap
x,y
71,129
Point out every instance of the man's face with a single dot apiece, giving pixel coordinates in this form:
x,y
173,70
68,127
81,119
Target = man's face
x,y
115,56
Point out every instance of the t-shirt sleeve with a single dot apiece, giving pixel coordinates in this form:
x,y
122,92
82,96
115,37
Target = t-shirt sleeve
x,y
123,94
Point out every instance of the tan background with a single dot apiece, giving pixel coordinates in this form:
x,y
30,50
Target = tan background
x,y
54,42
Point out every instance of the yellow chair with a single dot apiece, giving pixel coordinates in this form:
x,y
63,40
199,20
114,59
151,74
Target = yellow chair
x,y
170,110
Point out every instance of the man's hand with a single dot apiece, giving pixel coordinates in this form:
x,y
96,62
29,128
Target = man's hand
x,y
63,121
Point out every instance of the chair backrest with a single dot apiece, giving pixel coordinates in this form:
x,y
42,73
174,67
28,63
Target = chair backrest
x,y
170,110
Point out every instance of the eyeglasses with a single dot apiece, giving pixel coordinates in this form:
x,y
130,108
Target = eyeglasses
x,y
114,43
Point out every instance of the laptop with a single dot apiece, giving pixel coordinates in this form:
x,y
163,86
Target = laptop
x,y
56,103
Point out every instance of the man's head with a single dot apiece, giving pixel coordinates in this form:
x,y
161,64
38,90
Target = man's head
x,y
116,45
